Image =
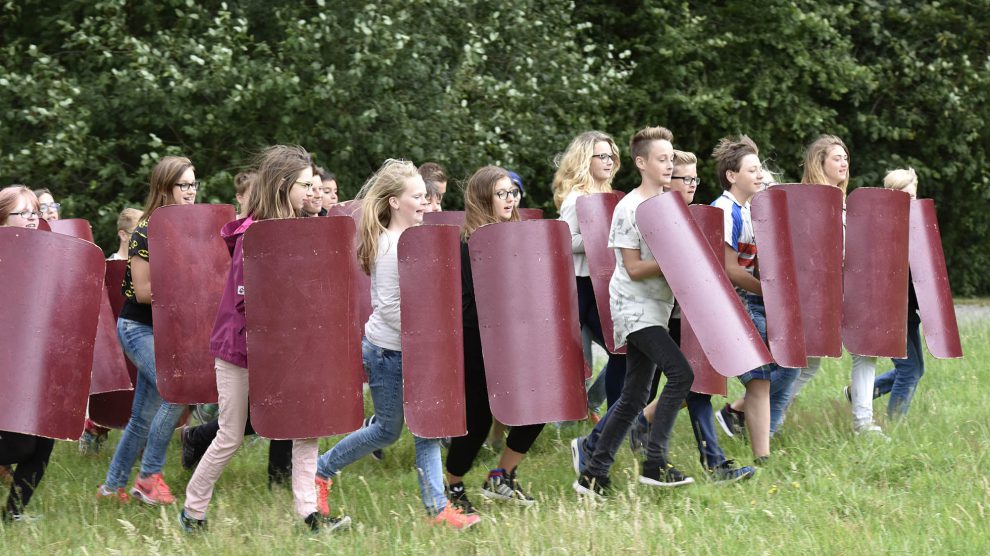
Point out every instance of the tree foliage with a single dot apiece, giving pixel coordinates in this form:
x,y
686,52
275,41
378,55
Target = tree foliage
x,y
93,93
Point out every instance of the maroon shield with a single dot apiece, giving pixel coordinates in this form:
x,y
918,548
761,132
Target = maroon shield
x,y
449,217
530,214
778,278
816,237
301,341
527,309
875,277
109,364
43,225
361,296
931,282
432,331
189,265
706,379
53,284
699,283
113,409
347,208
594,214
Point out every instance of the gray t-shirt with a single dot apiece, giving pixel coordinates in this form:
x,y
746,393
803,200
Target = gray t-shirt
x,y
383,326
635,304
568,213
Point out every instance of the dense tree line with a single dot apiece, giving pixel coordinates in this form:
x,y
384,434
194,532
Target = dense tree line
x,y
92,93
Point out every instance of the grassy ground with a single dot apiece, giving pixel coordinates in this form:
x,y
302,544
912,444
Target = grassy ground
x,y
825,492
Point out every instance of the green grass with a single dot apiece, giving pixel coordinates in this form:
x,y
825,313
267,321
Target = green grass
x,y
825,492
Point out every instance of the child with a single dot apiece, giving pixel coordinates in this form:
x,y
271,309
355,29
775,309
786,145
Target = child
x,y
394,201
641,304
489,198
242,191
49,208
283,182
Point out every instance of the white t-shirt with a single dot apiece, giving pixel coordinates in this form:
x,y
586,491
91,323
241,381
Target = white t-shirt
x,y
635,304
568,213
383,327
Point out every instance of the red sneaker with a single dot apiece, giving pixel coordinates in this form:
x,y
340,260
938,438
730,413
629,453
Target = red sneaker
x,y
152,490
119,495
323,495
454,517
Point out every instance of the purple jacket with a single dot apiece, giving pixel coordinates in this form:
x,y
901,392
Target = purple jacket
x,y
228,340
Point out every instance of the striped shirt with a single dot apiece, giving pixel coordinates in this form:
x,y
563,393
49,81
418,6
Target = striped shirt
x,y
738,230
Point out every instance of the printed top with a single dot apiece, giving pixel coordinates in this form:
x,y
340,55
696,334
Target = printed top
x,y
138,247
738,231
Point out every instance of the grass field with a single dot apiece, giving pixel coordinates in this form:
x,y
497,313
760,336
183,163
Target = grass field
x,y
824,492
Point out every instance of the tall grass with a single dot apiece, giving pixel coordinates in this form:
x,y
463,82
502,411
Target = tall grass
x,y
824,492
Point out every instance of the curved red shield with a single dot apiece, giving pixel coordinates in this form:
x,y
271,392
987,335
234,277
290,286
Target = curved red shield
x,y
301,340
109,364
530,214
43,225
594,214
113,409
361,292
53,284
778,278
527,310
931,282
448,217
706,379
816,237
700,285
875,277
189,264
432,331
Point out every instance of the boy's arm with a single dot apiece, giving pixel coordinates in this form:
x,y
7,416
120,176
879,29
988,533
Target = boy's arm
x,y
637,268
738,275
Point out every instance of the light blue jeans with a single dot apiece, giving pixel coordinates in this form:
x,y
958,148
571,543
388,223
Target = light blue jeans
x,y
781,378
384,369
901,382
152,420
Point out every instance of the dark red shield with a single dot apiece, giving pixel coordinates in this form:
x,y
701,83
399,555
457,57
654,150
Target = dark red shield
x,y
875,277
530,214
931,282
361,293
778,278
109,364
527,309
302,343
189,265
700,285
594,214
449,217
52,286
113,409
432,331
706,379
43,225
347,208
816,236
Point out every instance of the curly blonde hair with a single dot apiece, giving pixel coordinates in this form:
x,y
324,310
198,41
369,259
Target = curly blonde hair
x,y
574,166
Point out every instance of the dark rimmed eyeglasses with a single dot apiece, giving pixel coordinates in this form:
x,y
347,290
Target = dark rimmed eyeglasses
x,y
688,180
45,207
604,156
504,194
187,186
25,214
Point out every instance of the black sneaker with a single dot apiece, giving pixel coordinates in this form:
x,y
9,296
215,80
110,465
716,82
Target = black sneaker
x,y
503,486
579,455
457,496
378,454
663,475
190,455
639,434
733,422
596,487
727,472
316,523
190,525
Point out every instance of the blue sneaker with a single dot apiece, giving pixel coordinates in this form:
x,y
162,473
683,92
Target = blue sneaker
x,y
639,434
191,525
727,472
579,455
378,454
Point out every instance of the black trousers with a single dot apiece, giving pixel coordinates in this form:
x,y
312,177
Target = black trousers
x,y
30,455
279,451
464,449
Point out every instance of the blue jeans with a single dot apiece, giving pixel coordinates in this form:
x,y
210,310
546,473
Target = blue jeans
x,y
901,382
781,378
384,369
152,420
608,383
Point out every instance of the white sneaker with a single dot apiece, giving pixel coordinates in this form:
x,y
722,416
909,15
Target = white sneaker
x,y
872,431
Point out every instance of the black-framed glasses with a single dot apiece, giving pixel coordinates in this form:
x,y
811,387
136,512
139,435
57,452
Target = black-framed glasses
x,y
688,180
25,214
604,156
187,186
45,207
504,194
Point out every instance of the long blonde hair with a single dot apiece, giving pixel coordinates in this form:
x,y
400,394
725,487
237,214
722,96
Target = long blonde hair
x,y
479,209
814,161
163,178
376,213
278,167
574,167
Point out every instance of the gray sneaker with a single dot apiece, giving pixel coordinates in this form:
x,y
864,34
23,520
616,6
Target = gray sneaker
x,y
503,486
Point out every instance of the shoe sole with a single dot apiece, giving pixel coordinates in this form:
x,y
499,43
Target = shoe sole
x,y
650,482
494,496
138,495
727,480
576,456
725,426
585,491
344,523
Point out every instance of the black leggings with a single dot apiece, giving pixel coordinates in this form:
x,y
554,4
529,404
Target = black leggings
x,y
30,454
279,451
615,368
464,449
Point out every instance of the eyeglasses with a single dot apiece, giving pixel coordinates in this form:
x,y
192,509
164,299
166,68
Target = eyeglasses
x,y
307,185
45,207
688,180
506,193
25,214
604,156
187,186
